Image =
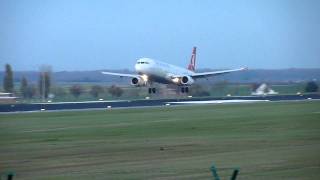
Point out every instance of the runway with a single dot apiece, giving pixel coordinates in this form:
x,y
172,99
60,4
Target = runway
x,y
56,106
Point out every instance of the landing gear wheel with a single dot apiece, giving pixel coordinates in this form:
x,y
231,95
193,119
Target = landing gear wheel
x,y
152,90
182,89
186,89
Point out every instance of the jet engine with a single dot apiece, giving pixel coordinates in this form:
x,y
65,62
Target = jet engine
x,y
187,80
138,81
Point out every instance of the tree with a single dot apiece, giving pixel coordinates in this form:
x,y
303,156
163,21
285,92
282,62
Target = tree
x,y
198,90
24,87
134,92
115,91
76,90
59,91
8,79
31,91
96,90
44,83
27,91
220,88
311,87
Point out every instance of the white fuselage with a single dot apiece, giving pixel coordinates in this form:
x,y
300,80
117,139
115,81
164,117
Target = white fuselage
x,y
158,71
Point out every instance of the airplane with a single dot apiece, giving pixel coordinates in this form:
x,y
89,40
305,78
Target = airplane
x,y
150,70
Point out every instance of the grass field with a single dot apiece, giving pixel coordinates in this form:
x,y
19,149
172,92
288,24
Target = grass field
x,y
265,140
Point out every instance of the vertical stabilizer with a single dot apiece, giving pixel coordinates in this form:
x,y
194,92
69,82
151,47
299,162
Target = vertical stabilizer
x,y
192,65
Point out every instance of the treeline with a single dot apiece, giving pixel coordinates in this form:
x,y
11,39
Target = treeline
x,y
28,90
250,76
43,88
95,90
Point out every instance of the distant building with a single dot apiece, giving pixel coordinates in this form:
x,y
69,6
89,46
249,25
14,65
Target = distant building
x,y
262,90
7,98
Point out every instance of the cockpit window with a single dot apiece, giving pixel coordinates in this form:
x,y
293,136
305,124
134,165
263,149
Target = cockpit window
x,y
142,62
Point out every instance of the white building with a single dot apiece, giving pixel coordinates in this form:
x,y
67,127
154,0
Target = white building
x,y
6,98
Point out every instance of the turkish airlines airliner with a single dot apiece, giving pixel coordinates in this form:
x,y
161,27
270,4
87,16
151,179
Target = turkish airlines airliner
x,y
149,71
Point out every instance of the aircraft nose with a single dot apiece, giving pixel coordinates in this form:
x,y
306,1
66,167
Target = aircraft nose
x,y
137,67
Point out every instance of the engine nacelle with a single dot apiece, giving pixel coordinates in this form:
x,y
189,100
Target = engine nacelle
x,y
137,81
186,80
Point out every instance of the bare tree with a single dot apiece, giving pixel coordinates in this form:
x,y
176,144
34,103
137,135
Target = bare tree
x,y
96,90
198,90
115,91
8,79
44,81
24,87
76,90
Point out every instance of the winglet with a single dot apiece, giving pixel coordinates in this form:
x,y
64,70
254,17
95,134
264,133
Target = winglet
x,y
192,65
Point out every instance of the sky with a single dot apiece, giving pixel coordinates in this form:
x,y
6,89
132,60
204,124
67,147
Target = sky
x,y
90,35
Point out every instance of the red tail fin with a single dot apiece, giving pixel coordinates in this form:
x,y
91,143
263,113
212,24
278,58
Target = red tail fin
x,y
192,65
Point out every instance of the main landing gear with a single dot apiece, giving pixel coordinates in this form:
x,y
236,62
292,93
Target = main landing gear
x,y
152,90
184,90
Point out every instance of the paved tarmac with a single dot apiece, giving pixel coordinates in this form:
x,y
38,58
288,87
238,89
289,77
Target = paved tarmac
x,y
56,106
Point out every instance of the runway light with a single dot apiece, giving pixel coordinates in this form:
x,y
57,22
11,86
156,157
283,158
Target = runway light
x,y
42,109
167,104
108,107
147,97
100,99
189,96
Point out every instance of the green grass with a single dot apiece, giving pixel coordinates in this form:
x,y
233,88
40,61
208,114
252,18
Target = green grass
x,y
265,140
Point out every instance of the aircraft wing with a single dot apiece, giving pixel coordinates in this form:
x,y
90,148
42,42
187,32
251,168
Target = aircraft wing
x,y
215,73
121,74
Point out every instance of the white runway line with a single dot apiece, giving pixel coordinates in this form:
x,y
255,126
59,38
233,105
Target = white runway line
x,y
219,101
81,102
